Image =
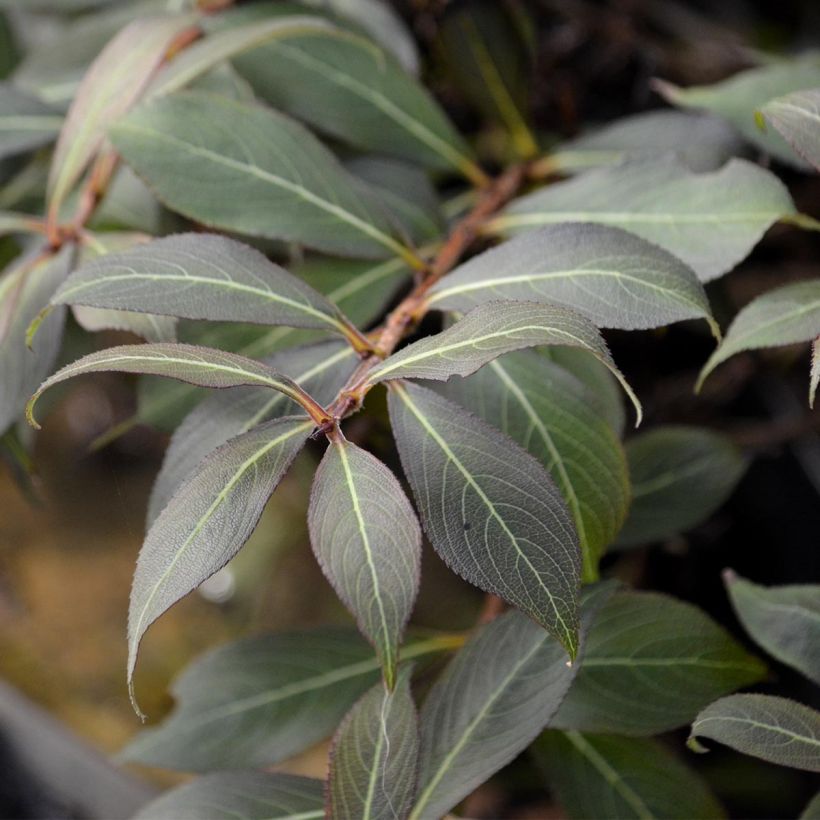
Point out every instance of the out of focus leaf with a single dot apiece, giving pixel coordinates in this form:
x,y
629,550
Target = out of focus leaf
x,y
261,700
771,728
486,53
23,292
701,141
680,477
240,796
784,620
738,98
785,315
25,122
615,778
242,167
650,663
113,83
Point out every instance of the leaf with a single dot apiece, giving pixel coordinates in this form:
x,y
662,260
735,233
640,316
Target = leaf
x,y
596,376
784,620
617,778
709,220
265,699
26,123
680,477
380,21
219,46
240,167
322,370
701,141
112,84
785,315
797,117
349,88
201,366
240,796
492,700
200,276
23,292
486,53
551,414
651,662
815,371
771,728
208,520
612,277
149,326
490,330
368,542
490,509
374,757
407,193
812,810
361,289
738,98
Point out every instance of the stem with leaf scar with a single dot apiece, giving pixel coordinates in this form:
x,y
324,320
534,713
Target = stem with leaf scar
x,y
413,307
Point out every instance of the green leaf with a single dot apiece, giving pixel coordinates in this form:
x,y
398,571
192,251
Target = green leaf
x,y
240,796
492,700
490,330
784,620
26,123
797,117
738,98
322,370
361,289
812,810
491,510
202,366
815,371
785,315
374,757
200,276
680,477
208,520
771,728
702,142
368,542
241,167
617,778
351,89
382,24
650,663
149,326
614,278
551,414
265,699
487,55
112,84
23,293
709,220
407,193
213,49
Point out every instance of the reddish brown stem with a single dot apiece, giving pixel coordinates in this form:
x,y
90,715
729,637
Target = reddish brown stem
x,y
413,308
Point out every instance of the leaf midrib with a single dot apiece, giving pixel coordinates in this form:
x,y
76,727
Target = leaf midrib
x,y
433,433
228,284
274,179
